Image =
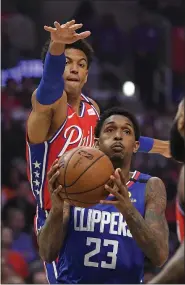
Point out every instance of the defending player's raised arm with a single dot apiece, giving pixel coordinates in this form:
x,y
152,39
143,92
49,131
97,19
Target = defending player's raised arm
x,y
150,145
49,101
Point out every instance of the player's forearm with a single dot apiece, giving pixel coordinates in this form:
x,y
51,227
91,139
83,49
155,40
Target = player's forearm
x,y
56,48
51,86
51,237
161,147
150,145
173,272
152,245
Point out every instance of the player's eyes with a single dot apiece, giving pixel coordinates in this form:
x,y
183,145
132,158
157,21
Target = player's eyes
x,y
67,62
82,65
128,132
109,130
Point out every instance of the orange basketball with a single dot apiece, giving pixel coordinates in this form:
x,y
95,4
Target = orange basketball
x,y
83,173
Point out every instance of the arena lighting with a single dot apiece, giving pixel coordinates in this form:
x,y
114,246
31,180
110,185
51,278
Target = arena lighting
x,y
128,89
25,68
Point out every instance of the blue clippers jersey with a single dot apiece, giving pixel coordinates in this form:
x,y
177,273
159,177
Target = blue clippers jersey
x,y
99,247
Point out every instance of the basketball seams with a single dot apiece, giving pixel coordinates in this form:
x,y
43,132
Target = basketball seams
x,y
84,170
78,193
69,196
90,203
65,174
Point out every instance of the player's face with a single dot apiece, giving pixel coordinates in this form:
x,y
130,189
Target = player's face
x,y
117,138
177,135
76,70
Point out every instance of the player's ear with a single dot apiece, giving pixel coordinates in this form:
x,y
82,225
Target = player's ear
x,y
136,146
96,142
86,77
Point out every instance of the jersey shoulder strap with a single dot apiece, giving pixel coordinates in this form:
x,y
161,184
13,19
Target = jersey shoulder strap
x,y
143,178
86,99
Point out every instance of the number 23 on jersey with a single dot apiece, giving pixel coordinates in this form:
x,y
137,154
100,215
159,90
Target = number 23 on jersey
x,y
98,244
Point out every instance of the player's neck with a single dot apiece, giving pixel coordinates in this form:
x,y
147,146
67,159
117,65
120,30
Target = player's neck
x,y
74,101
125,167
126,172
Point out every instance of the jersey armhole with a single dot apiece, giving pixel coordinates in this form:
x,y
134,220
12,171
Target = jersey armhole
x,y
179,207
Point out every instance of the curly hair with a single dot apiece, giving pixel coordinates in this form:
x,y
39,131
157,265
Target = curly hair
x,y
117,111
82,45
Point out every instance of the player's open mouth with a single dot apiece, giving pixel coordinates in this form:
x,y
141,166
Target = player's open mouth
x,y
73,79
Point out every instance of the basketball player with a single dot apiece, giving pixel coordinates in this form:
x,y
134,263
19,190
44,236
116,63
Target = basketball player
x,y
61,117
174,271
106,243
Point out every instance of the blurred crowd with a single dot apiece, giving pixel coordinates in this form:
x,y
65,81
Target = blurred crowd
x,y
136,56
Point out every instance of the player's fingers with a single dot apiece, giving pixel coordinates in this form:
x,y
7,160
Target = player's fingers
x,y
109,202
57,25
120,184
114,192
118,170
53,178
58,190
49,29
55,162
75,27
52,170
83,35
70,23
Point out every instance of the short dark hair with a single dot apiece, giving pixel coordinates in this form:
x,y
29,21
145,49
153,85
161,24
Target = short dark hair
x,y
117,111
82,45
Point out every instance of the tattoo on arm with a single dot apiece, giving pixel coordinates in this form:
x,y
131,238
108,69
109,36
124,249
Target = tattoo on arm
x,y
155,215
151,233
173,271
54,229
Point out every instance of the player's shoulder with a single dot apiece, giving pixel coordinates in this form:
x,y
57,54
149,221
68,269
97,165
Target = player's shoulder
x,y
95,105
143,177
155,189
152,182
92,102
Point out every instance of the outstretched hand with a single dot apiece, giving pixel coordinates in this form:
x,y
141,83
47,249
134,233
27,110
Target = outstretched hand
x,y
119,191
66,33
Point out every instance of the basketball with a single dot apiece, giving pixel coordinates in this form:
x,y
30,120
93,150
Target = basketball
x,y
83,173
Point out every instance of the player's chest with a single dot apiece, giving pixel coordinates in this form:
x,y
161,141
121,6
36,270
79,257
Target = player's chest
x,y
102,219
78,130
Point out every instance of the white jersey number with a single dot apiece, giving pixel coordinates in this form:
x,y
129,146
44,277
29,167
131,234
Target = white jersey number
x,y
112,254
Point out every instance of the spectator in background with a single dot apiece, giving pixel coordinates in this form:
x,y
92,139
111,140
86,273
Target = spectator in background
x,y
14,279
10,102
145,43
39,277
7,273
22,241
86,14
23,200
12,261
26,92
9,95
108,41
20,29
37,273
